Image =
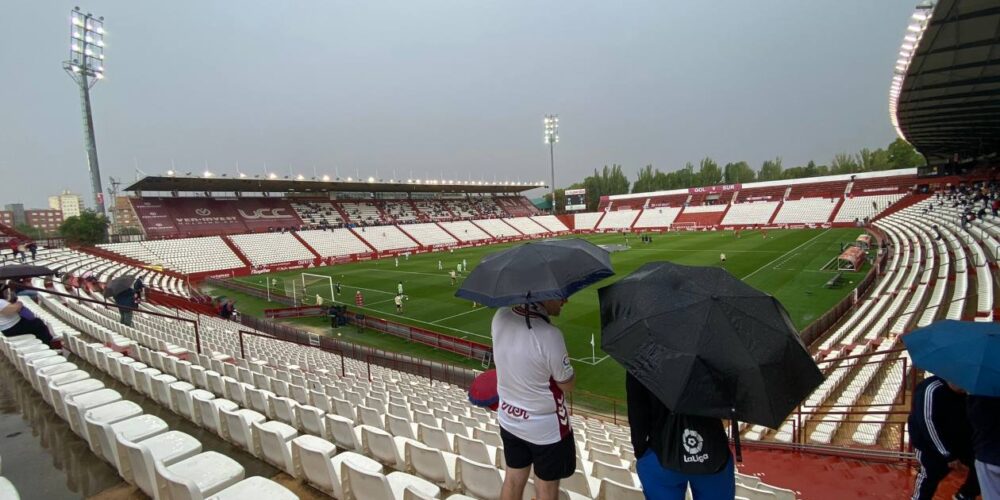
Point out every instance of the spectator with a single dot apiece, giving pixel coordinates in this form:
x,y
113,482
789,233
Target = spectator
x,y
226,308
676,451
33,247
127,302
16,320
940,434
984,417
533,373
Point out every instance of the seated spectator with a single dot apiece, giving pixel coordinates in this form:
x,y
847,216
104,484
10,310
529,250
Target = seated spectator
x,y
16,320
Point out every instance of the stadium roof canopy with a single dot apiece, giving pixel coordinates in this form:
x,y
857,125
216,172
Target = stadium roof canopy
x,y
186,183
945,95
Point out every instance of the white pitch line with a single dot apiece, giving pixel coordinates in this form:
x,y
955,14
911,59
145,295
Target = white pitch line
x,y
765,266
443,274
425,322
590,361
459,314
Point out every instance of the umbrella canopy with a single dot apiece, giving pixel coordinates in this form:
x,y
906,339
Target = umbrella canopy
x,y
536,271
18,271
483,391
707,344
964,353
119,285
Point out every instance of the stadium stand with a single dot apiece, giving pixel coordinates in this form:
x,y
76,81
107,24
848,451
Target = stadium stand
x,y
271,248
586,221
551,223
656,217
864,207
526,226
487,207
462,209
298,408
318,213
429,234
363,212
517,206
399,210
385,238
465,231
496,228
433,210
335,242
617,219
805,211
750,213
185,255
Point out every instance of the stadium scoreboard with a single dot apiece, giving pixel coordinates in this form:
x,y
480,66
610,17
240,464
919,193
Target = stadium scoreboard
x,y
576,199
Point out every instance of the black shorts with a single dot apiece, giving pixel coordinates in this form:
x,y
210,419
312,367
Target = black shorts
x,y
552,461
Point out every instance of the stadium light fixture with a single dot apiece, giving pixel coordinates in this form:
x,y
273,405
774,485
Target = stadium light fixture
x,y
908,49
551,138
326,178
242,175
170,173
207,174
300,177
86,67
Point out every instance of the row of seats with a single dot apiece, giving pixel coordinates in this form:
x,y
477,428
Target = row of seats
x,y
271,248
185,255
163,463
617,219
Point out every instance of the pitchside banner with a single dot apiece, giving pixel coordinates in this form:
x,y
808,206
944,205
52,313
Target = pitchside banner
x,y
576,199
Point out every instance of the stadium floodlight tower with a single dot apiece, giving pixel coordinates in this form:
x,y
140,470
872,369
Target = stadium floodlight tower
x,y
551,138
86,67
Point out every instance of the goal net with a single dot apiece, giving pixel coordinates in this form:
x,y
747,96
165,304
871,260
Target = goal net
x,y
317,289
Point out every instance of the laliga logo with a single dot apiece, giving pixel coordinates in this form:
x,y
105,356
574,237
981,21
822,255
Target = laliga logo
x,y
262,213
692,441
204,212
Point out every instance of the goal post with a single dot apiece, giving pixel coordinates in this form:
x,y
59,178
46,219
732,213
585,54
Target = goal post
x,y
316,286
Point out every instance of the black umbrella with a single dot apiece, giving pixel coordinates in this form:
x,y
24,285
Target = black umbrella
x,y
536,271
18,271
707,344
119,285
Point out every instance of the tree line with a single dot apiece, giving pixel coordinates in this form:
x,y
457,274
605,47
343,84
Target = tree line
x,y
612,180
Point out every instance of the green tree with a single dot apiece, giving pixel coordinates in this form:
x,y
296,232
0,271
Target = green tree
x,y
770,170
609,181
29,231
903,155
739,172
88,228
709,173
844,163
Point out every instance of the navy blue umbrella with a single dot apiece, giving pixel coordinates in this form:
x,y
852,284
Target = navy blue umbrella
x,y
964,353
536,271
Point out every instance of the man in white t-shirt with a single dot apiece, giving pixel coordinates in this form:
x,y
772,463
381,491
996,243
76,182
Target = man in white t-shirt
x,y
533,373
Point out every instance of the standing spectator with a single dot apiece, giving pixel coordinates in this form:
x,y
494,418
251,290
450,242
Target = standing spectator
x,y
33,247
16,320
940,434
226,308
126,301
533,373
676,451
984,416
140,289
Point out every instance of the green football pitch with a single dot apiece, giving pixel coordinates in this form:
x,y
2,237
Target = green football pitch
x,y
788,264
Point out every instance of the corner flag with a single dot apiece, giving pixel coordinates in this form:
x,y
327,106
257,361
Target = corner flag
x,y
591,340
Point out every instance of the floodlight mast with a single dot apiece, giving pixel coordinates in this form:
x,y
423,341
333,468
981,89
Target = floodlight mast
x,y
86,66
551,138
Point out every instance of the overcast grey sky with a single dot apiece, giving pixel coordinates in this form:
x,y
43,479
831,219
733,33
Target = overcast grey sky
x,y
452,88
